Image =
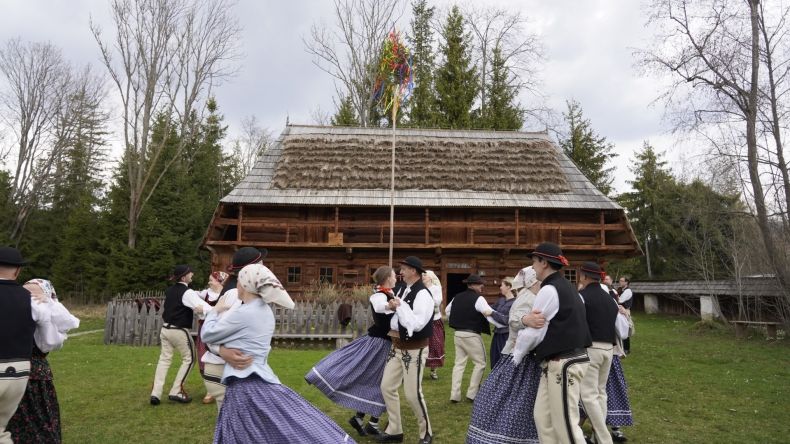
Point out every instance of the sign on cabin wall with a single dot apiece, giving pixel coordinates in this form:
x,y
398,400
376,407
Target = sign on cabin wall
x,y
458,265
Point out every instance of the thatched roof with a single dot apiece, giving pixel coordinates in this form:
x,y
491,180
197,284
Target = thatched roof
x,y
341,166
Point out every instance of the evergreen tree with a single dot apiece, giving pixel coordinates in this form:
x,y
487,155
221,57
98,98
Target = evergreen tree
x,y
589,151
456,78
501,113
345,115
422,104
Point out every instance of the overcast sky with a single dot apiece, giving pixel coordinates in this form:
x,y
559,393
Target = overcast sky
x,y
589,45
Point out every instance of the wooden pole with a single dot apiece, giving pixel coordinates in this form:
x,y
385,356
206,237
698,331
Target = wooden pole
x,y
392,178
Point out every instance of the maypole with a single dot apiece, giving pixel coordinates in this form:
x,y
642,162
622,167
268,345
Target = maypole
x,y
394,83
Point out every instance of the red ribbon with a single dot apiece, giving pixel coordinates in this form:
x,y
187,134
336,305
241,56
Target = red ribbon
x,y
561,258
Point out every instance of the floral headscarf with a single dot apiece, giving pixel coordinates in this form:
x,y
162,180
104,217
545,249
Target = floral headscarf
x,y
258,279
46,287
525,278
220,276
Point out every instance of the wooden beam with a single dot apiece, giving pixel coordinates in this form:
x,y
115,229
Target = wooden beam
x,y
337,219
421,246
239,223
603,229
427,225
517,226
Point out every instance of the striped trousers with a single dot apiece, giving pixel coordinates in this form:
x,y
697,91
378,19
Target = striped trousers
x,y
179,340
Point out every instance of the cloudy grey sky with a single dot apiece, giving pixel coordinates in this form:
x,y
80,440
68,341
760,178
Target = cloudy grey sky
x,y
589,45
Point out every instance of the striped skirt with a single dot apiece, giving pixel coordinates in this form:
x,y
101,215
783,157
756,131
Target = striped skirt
x,y
351,376
503,409
436,346
260,412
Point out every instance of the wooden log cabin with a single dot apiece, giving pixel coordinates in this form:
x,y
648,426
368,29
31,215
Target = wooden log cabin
x,y
465,201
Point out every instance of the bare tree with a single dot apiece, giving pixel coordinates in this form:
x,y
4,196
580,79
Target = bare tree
x,y
713,51
163,60
350,52
251,144
37,84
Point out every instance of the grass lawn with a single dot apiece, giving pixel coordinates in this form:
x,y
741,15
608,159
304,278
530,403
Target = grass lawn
x,y
687,384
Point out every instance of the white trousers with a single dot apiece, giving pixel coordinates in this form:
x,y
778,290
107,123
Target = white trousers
x,y
13,382
212,377
468,345
593,391
180,340
557,405
406,367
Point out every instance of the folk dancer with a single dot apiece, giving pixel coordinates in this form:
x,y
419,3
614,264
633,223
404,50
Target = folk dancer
x,y
467,315
351,376
211,296
37,418
436,343
502,411
605,327
20,317
410,330
501,315
181,304
626,299
559,341
257,407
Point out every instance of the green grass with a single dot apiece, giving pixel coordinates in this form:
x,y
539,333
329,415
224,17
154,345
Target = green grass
x,y
687,383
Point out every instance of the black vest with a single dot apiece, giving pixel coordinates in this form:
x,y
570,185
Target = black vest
x,y
176,313
426,331
627,304
381,322
568,329
601,313
463,315
16,319
230,283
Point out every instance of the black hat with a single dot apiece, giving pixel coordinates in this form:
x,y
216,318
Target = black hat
x,y
592,270
180,271
414,262
11,256
246,256
473,279
551,252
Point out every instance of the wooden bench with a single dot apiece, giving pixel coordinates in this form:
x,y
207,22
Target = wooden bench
x,y
742,326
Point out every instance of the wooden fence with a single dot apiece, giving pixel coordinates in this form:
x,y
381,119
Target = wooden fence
x,y
135,319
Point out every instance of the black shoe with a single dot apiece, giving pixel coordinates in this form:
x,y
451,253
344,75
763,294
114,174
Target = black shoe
x,y
372,430
183,398
154,400
357,424
427,440
386,437
470,400
618,436
454,401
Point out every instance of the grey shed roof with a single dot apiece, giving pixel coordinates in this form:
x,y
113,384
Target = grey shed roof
x,y
749,287
259,186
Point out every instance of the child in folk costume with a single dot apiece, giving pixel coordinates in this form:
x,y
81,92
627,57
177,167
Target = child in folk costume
x,y
257,407
501,315
37,419
351,376
436,343
503,408
211,297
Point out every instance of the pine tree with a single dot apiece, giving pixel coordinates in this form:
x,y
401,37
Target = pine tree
x,y
456,78
589,151
422,104
501,113
345,114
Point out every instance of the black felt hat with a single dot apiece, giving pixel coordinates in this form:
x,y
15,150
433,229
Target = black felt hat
x,y
180,271
592,270
473,279
246,256
414,262
551,252
11,256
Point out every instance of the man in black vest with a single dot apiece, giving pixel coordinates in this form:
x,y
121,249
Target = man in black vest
x,y
601,312
181,304
17,325
467,312
561,346
626,299
410,329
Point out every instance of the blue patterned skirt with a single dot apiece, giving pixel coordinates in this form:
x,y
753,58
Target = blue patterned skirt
x,y
351,376
260,412
503,409
618,407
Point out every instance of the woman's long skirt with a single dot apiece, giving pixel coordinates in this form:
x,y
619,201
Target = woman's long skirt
x,y
498,342
37,419
351,376
436,346
256,411
503,409
618,407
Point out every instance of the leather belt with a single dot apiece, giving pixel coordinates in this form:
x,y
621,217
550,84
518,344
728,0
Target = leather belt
x,y
171,326
409,345
576,352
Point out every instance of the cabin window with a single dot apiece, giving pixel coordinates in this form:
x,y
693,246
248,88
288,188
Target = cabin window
x,y
570,274
326,275
294,275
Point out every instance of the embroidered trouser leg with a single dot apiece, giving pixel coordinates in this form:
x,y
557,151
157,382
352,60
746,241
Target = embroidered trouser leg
x,y
13,381
406,367
593,390
180,340
556,410
212,378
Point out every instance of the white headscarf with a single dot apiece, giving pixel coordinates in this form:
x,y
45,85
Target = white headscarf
x,y
258,279
525,278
